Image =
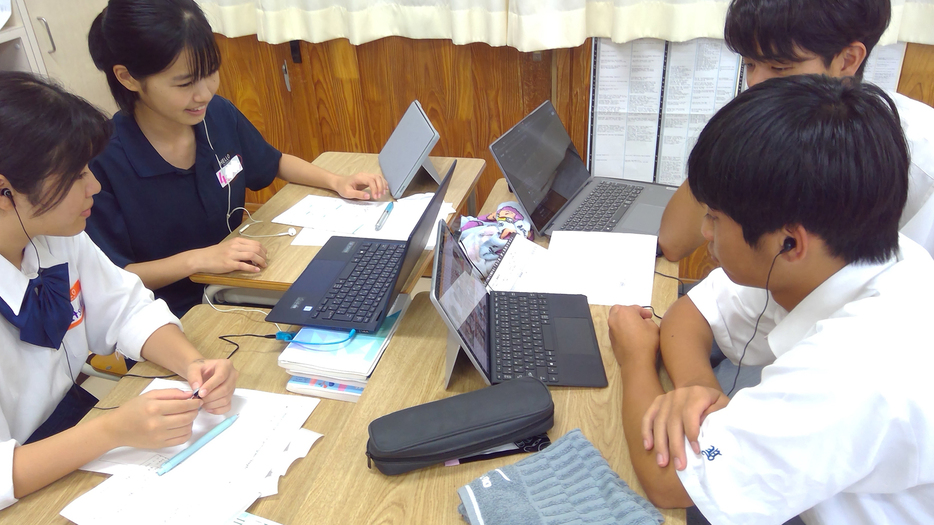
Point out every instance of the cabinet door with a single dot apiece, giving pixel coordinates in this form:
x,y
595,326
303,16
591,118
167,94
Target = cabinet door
x,y
69,61
17,43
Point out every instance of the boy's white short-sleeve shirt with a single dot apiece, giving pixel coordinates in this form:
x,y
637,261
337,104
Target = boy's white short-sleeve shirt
x,y
917,119
111,310
841,428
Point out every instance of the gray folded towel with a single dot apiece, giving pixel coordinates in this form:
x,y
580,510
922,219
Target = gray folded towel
x,y
567,483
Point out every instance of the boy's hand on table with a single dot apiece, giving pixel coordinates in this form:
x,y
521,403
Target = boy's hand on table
x,y
676,415
633,335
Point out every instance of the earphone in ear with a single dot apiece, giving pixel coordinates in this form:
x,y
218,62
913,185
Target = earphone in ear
x,y
8,194
788,245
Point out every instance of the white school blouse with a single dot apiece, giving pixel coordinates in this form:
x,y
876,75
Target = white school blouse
x,y
841,428
111,310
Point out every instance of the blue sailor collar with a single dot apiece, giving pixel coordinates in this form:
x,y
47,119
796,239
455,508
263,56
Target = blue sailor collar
x,y
13,281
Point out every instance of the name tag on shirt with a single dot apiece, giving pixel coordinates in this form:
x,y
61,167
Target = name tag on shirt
x,y
229,171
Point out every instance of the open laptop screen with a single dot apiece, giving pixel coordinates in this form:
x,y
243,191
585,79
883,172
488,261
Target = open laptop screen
x,y
463,298
541,164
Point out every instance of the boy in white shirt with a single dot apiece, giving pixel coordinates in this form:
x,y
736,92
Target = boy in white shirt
x,y
804,180
60,297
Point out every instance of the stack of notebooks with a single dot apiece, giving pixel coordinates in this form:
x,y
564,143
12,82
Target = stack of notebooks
x,y
325,363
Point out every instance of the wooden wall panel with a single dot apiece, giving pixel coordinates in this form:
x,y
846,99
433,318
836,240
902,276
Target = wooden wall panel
x,y
917,79
249,79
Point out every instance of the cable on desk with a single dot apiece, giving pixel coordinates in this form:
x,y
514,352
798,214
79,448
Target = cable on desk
x,y
653,311
222,337
681,283
237,345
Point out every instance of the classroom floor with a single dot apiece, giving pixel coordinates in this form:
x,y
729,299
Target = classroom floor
x,y
99,387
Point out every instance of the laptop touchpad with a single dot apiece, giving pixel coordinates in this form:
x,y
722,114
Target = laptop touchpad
x,y
572,333
644,217
325,272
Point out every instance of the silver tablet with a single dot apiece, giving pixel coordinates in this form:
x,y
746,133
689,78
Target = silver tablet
x,y
406,151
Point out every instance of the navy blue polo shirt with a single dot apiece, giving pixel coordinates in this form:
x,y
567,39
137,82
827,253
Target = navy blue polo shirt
x,y
148,209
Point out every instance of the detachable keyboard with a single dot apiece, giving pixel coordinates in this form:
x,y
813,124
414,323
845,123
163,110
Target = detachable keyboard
x,y
356,294
603,208
520,337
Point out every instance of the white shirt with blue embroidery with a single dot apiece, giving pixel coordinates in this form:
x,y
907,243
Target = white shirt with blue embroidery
x,y
841,428
112,310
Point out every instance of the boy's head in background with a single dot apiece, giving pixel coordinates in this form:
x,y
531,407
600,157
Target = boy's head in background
x,y
794,37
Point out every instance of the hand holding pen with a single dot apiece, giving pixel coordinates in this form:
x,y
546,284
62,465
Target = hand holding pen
x,y
213,381
156,419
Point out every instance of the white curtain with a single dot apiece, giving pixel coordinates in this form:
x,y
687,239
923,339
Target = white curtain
x,y
360,21
548,24
528,25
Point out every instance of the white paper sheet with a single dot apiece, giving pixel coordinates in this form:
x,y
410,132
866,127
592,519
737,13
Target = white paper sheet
x,y
340,216
884,65
215,484
139,496
629,83
255,408
652,100
516,272
609,268
398,226
702,76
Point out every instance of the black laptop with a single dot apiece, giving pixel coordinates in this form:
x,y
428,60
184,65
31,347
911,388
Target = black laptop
x,y
352,282
552,184
513,334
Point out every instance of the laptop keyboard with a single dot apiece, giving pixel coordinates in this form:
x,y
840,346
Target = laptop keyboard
x,y
356,294
518,339
603,208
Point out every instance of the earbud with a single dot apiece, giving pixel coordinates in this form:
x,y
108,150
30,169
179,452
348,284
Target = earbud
x,y
788,245
8,194
291,232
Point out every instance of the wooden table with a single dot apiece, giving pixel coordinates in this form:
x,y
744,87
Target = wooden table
x,y
286,262
333,484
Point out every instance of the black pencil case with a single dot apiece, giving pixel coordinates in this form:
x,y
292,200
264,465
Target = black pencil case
x,y
459,426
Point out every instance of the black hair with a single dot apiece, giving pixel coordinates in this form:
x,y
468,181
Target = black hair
x,y
827,154
45,132
146,36
772,29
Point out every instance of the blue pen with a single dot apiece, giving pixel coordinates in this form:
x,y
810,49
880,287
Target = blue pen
x,y
183,455
383,217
